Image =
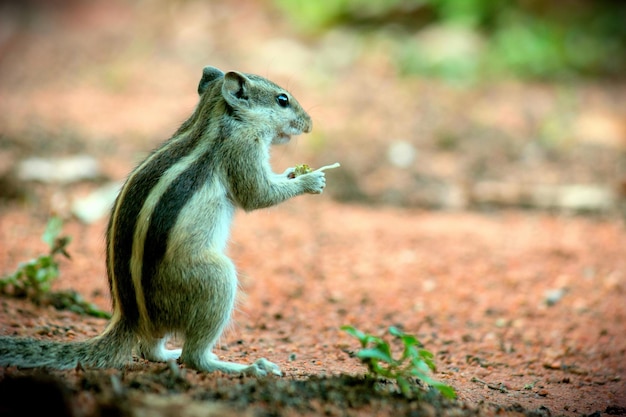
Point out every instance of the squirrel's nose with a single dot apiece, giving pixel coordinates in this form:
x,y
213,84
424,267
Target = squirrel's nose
x,y
302,124
308,125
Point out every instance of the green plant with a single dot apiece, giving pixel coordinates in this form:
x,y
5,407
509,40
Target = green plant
x,y
528,39
33,279
415,361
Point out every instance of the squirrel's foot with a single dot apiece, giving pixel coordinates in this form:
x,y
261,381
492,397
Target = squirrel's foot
x,y
166,355
262,367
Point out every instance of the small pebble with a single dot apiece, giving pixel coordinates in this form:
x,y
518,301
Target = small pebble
x,y
554,296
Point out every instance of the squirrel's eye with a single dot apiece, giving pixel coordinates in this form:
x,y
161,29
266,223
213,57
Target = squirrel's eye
x,y
282,100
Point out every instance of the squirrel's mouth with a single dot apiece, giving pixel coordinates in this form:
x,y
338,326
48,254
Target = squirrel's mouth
x,y
281,138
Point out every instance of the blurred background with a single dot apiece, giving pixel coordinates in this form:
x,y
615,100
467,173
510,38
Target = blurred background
x,y
432,104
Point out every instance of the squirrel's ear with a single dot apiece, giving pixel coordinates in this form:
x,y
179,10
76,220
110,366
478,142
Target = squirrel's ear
x,y
235,88
208,74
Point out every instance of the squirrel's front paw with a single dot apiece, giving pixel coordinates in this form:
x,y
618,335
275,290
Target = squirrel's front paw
x,y
313,182
289,173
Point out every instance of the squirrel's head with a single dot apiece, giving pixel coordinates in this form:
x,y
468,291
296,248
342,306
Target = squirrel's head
x,y
256,100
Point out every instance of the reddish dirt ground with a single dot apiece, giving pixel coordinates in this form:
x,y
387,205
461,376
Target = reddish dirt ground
x,y
471,286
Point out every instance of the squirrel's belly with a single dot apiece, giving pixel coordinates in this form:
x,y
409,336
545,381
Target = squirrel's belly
x,y
203,224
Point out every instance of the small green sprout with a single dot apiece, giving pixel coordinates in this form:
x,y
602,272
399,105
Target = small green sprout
x,y
33,279
415,362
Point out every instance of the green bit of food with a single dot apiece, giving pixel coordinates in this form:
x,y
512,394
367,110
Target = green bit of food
x,y
301,170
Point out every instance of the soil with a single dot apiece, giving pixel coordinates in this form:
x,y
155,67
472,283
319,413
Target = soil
x,y
524,310
472,287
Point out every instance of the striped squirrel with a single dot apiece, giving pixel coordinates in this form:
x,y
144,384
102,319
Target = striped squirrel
x,y
169,226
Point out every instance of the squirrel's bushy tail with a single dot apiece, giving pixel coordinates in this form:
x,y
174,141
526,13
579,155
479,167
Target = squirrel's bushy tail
x,y
111,349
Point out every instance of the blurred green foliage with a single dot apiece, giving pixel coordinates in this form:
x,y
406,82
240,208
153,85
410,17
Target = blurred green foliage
x,y
33,279
527,38
415,361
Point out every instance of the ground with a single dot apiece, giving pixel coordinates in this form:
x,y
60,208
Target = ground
x,y
472,287
439,221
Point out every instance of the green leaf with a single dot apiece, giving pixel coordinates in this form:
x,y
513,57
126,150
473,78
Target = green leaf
x,y
53,228
45,261
29,269
421,365
364,338
410,340
373,340
375,369
384,347
352,331
375,353
404,385
409,352
42,275
425,354
394,331
426,357
446,390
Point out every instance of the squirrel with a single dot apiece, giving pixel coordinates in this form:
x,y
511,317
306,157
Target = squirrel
x,y
165,241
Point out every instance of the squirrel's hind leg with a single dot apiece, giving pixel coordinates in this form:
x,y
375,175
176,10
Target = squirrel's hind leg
x,y
215,284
